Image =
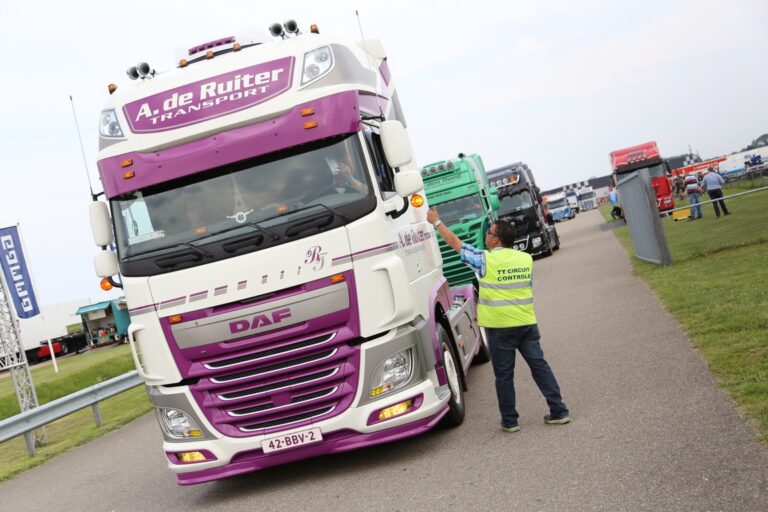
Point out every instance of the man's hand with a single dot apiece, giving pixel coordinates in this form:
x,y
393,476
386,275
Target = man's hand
x,y
448,235
432,216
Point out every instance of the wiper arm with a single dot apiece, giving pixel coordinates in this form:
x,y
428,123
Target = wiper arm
x,y
328,208
190,254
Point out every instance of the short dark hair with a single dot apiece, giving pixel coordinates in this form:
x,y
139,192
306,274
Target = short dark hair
x,y
505,231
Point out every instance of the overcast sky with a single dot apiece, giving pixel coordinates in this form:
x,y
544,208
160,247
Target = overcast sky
x,y
557,84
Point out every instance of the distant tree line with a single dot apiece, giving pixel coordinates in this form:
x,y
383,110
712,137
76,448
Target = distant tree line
x,y
758,142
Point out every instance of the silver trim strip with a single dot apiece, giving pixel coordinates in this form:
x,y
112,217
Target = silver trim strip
x,y
330,392
333,353
335,371
257,358
246,429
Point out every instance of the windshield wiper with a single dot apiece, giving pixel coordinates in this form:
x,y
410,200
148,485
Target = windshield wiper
x,y
190,254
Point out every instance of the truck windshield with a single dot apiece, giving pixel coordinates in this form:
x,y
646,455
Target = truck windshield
x,y
557,203
515,202
275,200
462,209
657,170
587,195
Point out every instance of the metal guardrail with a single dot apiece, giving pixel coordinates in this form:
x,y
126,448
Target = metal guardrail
x,y
26,422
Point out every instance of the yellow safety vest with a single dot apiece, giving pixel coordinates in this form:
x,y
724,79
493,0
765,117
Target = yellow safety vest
x,y
506,296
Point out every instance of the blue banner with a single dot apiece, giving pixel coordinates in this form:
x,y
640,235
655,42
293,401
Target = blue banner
x,y
16,273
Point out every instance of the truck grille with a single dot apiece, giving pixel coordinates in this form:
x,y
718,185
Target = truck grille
x,y
279,379
456,272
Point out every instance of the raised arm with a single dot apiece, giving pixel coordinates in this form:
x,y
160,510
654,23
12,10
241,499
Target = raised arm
x,y
448,235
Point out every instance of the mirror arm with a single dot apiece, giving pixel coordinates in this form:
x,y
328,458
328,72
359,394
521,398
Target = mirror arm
x,y
116,284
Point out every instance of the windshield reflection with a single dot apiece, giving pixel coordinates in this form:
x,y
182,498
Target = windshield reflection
x,y
227,202
517,201
459,210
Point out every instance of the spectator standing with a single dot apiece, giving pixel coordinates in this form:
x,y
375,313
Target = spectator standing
x,y
613,196
693,189
505,310
713,184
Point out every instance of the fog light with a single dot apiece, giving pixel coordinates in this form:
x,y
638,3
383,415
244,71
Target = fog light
x,y
191,457
395,410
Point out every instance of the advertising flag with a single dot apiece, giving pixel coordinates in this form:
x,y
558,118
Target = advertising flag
x,y
16,273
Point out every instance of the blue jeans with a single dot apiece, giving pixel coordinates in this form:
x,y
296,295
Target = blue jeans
x,y
695,199
503,343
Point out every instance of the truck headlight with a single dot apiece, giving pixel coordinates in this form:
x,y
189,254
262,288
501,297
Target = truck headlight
x,y
109,126
536,241
177,425
317,64
392,373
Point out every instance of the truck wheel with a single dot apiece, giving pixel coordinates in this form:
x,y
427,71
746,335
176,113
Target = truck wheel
x,y
484,355
455,415
64,348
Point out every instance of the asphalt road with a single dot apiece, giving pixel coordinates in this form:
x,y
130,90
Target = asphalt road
x,y
651,430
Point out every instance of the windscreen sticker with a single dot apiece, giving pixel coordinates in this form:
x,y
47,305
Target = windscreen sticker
x,y
209,98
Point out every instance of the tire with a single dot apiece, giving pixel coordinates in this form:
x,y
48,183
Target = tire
x,y
64,348
548,250
455,415
484,355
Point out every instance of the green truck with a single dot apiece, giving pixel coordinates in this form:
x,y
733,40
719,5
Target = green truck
x,y
466,202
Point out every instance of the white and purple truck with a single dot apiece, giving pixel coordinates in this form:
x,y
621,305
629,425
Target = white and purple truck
x,y
284,287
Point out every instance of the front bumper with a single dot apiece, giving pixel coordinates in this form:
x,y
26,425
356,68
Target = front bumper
x,y
340,434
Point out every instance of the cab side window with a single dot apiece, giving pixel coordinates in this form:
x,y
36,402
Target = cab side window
x,y
382,170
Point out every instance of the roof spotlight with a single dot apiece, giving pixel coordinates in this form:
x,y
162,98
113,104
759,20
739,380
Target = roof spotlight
x,y
291,27
143,69
276,30
132,73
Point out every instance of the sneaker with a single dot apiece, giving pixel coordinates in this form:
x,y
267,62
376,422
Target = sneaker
x,y
510,428
557,420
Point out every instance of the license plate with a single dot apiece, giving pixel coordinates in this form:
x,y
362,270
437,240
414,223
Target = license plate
x,y
275,444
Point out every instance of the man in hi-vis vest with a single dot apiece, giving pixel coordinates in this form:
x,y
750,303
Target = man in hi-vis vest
x,y
505,310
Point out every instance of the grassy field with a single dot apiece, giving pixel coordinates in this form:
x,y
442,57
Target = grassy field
x,y
716,289
75,372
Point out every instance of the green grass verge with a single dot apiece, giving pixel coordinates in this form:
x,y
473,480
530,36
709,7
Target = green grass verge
x,y
75,372
720,300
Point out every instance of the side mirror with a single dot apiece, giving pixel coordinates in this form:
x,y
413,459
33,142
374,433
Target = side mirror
x,y
100,224
105,264
397,145
493,197
408,183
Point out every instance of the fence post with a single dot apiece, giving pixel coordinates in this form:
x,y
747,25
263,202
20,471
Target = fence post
x,y
96,414
29,438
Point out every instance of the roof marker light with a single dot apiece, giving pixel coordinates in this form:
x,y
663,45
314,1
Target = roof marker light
x,y
175,319
128,175
338,278
183,63
310,124
236,47
313,28
126,163
307,111
112,88
209,54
